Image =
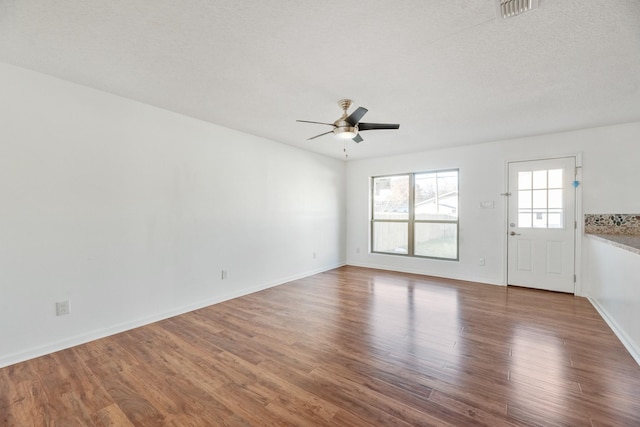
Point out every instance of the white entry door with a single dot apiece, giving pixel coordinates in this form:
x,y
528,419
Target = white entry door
x,y
541,224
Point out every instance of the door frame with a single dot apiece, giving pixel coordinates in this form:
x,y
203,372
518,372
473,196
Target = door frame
x,y
579,289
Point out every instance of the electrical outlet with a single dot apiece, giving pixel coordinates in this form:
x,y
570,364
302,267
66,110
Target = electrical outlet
x,y
314,255
224,275
357,250
63,308
481,261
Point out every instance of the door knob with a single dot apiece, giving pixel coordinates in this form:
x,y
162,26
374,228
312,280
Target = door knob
x,y
513,233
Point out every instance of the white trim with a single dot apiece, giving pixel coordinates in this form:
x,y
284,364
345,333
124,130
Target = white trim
x,y
580,282
73,341
578,288
505,222
464,278
627,342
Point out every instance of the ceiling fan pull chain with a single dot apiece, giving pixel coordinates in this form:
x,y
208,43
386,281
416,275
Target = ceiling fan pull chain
x,y
346,155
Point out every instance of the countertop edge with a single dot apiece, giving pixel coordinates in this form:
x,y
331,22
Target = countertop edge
x,y
628,243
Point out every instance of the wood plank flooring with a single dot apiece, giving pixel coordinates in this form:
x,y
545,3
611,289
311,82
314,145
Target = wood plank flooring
x,y
349,347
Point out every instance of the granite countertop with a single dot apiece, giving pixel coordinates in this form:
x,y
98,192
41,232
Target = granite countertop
x,y
628,242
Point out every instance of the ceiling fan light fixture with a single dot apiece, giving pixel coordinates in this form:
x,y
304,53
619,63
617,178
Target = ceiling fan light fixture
x,y
346,132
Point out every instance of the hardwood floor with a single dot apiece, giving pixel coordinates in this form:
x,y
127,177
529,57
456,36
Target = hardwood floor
x,y
349,347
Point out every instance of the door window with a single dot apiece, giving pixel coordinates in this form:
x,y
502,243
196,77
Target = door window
x,y
540,199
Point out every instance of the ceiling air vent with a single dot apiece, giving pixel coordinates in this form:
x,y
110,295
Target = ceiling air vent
x,y
511,8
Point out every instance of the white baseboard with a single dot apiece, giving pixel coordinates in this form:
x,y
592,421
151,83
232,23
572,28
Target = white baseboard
x,y
426,273
73,341
628,343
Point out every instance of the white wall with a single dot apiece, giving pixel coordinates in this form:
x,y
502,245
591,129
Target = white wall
x,y
131,212
609,179
614,289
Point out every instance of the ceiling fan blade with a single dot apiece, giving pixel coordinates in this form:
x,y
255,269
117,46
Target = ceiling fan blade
x,y
314,137
375,126
356,116
358,138
318,123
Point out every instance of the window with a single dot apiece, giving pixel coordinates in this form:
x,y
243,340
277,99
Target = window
x,y
416,214
540,199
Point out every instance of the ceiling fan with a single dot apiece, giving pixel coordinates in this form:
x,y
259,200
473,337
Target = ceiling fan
x,y
349,126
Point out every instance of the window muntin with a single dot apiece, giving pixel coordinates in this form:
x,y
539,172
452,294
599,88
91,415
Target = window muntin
x,y
540,199
416,214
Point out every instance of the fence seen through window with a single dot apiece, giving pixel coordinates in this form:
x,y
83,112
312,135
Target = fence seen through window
x,y
416,214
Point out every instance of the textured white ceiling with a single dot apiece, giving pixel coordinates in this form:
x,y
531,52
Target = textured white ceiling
x,y
449,72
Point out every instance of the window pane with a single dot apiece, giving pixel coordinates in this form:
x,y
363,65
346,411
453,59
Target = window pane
x,y
391,197
539,199
524,219
540,179
392,237
555,178
556,219
524,199
447,183
436,196
436,240
540,218
524,181
555,199
425,193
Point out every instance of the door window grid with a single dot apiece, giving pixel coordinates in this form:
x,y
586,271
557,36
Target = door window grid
x,y
540,199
